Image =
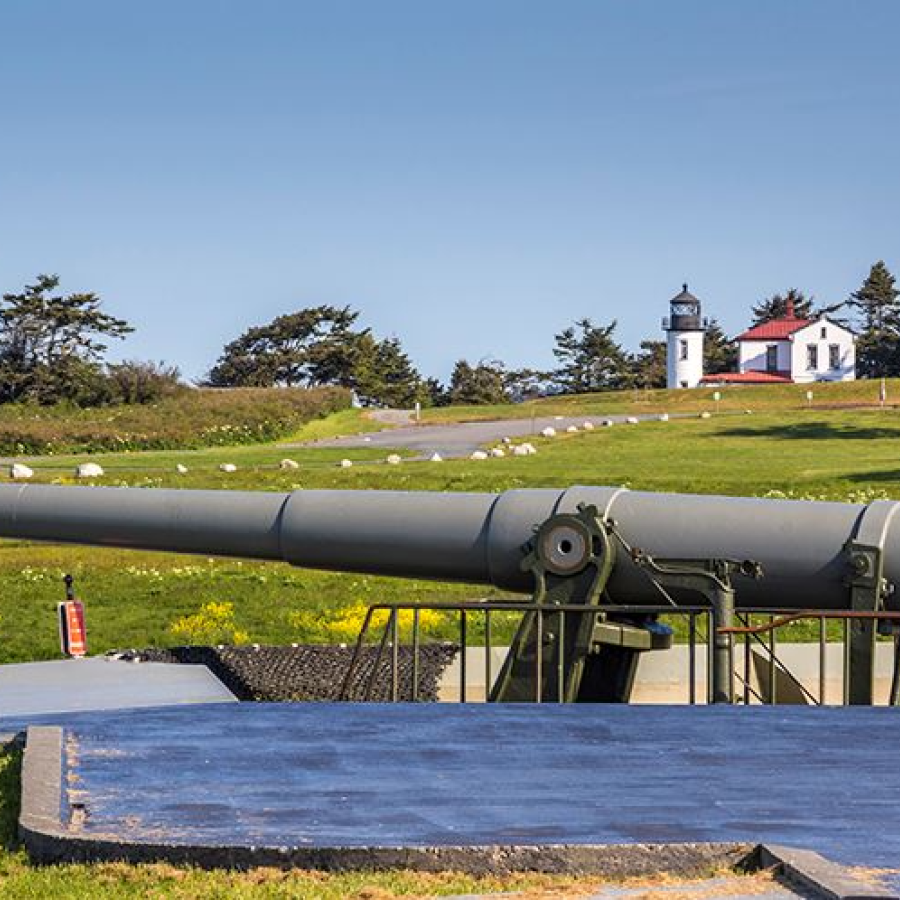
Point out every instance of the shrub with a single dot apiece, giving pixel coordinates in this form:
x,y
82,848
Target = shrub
x,y
346,624
188,419
212,624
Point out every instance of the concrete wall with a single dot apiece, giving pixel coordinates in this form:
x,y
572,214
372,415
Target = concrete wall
x,y
662,677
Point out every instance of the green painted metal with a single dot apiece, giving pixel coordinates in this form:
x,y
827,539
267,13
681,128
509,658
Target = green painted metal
x,y
571,558
712,579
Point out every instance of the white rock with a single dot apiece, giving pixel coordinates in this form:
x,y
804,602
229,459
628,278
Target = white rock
x,y
436,457
345,463
367,439
530,448
704,415
607,423
548,432
631,420
393,460
558,418
181,469
507,440
748,412
228,467
89,470
498,452
521,450
663,417
19,470
288,464
479,454
572,429
588,426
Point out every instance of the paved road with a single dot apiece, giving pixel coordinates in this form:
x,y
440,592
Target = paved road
x,y
459,439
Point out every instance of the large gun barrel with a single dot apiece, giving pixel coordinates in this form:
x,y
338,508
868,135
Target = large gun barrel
x,y
474,537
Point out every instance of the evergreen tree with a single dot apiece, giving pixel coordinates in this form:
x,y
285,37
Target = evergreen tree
x,y
52,346
309,347
719,353
776,306
591,359
878,346
384,376
478,385
649,366
526,384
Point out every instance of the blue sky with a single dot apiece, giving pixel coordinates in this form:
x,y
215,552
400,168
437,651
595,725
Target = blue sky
x,y
473,175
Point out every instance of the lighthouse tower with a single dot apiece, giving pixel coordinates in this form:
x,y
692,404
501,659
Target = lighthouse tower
x,y
684,339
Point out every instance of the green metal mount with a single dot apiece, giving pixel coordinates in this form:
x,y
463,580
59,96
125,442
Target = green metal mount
x,y
566,656
712,579
868,591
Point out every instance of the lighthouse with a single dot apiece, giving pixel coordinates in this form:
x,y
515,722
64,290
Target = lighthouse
x,y
684,341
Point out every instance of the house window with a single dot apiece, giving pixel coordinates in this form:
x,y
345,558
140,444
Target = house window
x,y
812,356
682,349
772,358
823,333
834,356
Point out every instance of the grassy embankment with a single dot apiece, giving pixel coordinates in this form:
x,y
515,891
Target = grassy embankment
x,y
133,598
770,398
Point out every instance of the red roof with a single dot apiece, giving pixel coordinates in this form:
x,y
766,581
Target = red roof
x,y
775,330
749,378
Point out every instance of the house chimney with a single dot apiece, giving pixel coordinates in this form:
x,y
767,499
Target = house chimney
x,y
790,308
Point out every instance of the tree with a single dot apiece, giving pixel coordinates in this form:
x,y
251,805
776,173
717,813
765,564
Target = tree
x,y
52,346
525,384
650,365
591,359
136,381
878,346
776,306
478,385
719,353
383,374
309,347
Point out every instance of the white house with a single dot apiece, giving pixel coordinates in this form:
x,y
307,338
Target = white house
x,y
791,349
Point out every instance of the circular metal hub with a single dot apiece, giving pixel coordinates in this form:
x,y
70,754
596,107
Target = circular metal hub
x,y
565,547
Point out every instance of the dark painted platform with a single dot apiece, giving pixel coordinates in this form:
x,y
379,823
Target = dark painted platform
x,y
439,775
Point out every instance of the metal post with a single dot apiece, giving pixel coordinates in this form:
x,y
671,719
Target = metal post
x,y
723,645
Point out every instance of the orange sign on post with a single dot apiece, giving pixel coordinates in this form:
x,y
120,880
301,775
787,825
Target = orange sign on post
x,y
72,633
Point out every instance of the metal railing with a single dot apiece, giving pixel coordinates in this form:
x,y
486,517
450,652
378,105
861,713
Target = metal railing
x,y
555,616
764,636
384,662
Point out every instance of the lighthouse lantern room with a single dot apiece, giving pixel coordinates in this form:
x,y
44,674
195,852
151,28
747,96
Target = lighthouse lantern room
x,y
684,332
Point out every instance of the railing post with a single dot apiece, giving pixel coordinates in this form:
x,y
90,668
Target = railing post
x,y
722,645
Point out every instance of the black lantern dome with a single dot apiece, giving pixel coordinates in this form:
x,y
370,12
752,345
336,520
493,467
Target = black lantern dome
x,y
684,312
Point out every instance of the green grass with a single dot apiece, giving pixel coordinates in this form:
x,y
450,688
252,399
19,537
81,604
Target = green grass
x,y
760,398
134,597
189,418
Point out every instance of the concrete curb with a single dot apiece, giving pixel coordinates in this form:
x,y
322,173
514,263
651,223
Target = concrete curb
x,y
809,871
52,835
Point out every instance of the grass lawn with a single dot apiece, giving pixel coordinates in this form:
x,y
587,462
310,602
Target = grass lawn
x,y
134,597
786,397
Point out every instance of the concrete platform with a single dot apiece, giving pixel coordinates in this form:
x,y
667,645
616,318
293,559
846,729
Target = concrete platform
x,y
334,784
101,683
